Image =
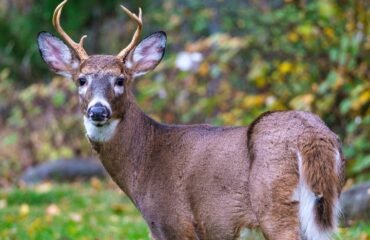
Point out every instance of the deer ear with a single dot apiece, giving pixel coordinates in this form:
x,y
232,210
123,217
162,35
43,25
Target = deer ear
x,y
147,54
57,55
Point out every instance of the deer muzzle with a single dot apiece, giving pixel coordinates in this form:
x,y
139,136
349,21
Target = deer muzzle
x,y
99,114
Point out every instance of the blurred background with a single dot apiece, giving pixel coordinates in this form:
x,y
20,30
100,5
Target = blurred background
x,y
226,62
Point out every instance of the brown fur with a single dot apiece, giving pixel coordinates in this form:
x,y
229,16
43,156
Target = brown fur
x,y
276,138
249,136
321,174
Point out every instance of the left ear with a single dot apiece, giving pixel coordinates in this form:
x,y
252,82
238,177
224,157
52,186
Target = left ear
x,y
147,54
57,55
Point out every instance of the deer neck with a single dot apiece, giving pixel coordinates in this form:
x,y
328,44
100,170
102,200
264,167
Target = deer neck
x,y
126,155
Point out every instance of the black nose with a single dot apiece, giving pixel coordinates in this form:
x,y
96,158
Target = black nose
x,y
98,112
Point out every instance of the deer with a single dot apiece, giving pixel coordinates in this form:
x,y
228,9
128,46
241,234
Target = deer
x,y
282,174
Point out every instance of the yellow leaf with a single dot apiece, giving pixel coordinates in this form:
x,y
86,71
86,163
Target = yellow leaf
x,y
302,102
120,208
285,67
305,29
364,236
253,101
24,210
258,72
225,88
329,32
228,118
36,226
260,81
203,69
361,100
96,183
293,37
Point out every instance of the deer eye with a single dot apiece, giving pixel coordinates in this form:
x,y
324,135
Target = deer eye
x,y
119,81
82,81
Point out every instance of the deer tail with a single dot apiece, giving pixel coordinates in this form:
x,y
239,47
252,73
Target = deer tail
x,y
320,165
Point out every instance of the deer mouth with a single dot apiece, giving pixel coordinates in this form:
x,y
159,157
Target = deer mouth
x,y
100,124
94,123
97,124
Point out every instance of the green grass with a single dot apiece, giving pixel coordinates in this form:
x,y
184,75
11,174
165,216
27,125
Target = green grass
x,y
97,211
77,211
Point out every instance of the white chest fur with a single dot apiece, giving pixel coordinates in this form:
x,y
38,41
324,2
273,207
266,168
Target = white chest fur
x,y
100,134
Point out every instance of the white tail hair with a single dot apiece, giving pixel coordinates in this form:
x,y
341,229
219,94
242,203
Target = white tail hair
x,y
310,228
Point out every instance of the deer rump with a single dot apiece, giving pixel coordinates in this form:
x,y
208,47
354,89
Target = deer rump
x,y
304,168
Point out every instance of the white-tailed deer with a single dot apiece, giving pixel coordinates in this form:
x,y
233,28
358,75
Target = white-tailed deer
x,y
283,173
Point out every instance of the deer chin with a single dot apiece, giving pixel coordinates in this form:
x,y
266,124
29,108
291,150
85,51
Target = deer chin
x,y
100,131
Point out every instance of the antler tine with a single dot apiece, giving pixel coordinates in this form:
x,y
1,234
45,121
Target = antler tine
x,y
135,38
77,47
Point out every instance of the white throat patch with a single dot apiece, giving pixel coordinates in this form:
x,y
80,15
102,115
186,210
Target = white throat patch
x,y
100,134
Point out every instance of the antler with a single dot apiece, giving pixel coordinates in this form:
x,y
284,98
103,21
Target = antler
x,y
135,38
77,47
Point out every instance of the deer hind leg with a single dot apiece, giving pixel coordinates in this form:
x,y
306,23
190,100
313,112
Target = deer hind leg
x,y
274,229
273,200
280,220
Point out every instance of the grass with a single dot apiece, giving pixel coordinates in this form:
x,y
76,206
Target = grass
x,y
77,211
96,211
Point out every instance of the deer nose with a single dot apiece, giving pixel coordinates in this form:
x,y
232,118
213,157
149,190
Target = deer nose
x,y
98,112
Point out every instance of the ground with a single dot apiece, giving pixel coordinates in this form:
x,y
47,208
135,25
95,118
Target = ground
x,y
78,211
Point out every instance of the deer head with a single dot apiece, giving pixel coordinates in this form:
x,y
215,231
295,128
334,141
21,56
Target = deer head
x,y
103,81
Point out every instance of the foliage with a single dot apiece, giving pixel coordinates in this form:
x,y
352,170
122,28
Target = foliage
x,y
226,63
43,123
88,211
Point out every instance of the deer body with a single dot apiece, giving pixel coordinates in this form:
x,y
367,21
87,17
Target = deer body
x,y
197,181
283,173
161,173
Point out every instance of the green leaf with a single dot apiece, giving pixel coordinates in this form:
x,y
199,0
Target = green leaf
x,y
59,98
